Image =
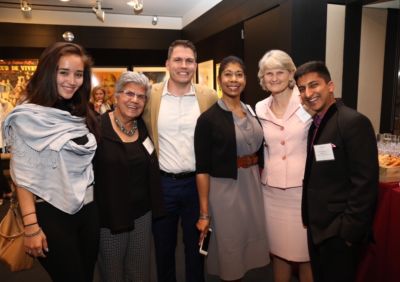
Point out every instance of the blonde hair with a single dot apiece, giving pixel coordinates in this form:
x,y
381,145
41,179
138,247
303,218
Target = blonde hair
x,y
275,59
94,90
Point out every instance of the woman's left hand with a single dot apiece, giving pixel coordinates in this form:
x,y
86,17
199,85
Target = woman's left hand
x,y
36,242
203,225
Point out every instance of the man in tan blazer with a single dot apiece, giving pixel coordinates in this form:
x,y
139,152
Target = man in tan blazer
x,y
170,115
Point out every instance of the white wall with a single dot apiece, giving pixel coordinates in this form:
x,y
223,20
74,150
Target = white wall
x,y
372,51
335,44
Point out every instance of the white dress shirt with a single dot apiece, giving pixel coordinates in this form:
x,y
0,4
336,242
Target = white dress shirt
x,y
176,123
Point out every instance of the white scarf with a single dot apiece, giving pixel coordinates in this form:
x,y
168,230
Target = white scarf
x,y
44,159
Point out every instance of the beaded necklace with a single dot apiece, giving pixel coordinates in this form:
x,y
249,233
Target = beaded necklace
x,y
123,129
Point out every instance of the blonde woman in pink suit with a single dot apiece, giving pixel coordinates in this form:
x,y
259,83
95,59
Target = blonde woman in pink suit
x,y
285,124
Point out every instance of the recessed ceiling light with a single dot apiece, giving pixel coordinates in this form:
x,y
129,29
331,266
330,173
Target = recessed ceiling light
x,y
64,0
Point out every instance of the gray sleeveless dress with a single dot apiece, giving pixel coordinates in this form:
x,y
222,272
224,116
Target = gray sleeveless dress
x,y
238,242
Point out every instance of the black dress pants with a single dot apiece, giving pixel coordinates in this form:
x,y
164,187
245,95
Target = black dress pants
x,y
333,260
4,185
73,242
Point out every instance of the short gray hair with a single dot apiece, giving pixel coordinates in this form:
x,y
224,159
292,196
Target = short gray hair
x,y
132,77
274,59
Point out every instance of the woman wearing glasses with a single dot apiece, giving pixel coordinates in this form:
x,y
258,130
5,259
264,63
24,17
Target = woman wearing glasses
x,y
127,186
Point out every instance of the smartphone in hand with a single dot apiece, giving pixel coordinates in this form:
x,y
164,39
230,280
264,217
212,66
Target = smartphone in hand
x,y
204,244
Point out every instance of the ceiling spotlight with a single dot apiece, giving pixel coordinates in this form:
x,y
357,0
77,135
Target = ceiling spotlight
x,y
68,36
26,9
137,5
154,20
100,14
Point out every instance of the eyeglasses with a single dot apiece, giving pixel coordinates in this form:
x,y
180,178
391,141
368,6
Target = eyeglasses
x,y
130,94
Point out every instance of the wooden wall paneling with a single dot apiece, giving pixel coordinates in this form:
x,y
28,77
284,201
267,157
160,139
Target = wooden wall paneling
x,y
390,107
128,57
351,54
225,14
107,46
40,36
308,30
297,27
262,33
220,45
20,53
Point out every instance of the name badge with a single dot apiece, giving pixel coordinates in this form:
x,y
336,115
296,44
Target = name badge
x,y
324,152
251,110
148,145
303,115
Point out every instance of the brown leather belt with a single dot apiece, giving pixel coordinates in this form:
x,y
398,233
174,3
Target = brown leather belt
x,y
247,161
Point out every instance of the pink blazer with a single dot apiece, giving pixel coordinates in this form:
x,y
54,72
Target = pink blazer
x,y
286,143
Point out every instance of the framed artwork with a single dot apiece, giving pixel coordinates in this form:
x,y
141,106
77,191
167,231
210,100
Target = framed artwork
x,y
14,75
106,77
154,74
194,79
205,72
219,90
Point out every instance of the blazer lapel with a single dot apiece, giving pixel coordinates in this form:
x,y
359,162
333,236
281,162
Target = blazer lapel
x,y
154,111
328,115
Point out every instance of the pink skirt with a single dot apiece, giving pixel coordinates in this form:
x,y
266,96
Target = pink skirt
x,y
285,231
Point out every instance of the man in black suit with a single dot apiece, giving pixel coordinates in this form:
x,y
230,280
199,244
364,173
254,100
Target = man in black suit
x,y
340,179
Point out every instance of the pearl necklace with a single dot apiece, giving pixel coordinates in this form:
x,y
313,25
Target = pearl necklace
x,y
123,129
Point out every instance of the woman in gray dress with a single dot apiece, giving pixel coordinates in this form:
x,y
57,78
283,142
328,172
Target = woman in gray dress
x,y
228,148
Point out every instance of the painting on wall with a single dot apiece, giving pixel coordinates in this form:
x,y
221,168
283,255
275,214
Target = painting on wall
x,y
154,74
14,75
206,73
219,90
107,77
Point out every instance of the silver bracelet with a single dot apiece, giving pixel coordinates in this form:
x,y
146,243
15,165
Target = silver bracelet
x,y
204,216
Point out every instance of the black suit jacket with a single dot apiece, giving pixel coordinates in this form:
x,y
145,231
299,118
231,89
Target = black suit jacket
x,y
340,195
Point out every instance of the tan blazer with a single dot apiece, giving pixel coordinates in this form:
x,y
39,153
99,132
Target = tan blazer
x,y
206,97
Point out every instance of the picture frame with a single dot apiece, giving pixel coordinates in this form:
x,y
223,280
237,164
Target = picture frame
x,y
217,86
14,75
154,74
206,73
106,77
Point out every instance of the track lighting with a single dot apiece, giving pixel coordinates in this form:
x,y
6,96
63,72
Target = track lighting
x,y
100,14
154,20
137,5
26,9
